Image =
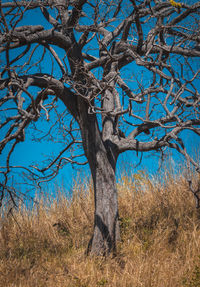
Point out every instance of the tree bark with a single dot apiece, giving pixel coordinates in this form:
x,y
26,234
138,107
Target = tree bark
x,y
102,157
106,225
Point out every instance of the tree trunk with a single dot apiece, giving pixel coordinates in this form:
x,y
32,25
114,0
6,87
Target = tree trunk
x,y
106,225
102,158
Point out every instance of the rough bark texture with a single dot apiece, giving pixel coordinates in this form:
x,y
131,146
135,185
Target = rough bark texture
x,y
106,225
102,158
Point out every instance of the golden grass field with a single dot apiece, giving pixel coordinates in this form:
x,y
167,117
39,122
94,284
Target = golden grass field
x,y
160,231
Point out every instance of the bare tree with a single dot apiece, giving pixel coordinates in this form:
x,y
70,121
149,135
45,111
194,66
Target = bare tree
x,y
127,72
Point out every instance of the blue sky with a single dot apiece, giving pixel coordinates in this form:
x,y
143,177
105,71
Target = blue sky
x,y
29,152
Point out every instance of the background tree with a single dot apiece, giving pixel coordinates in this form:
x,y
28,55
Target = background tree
x,y
127,73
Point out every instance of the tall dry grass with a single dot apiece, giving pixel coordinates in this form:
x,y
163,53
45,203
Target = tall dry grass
x,y
160,230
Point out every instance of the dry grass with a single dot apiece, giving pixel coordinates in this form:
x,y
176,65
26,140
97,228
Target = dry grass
x,y
160,240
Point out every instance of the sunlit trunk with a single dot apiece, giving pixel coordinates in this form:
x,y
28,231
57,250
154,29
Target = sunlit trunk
x,y
102,158
106,225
